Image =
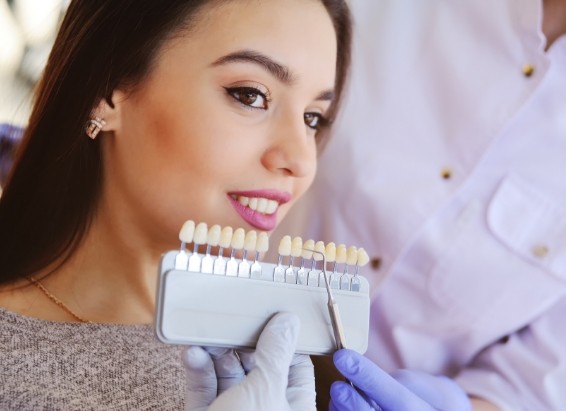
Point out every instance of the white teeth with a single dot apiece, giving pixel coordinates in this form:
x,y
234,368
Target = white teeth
x,y
271,207
259,204
253,203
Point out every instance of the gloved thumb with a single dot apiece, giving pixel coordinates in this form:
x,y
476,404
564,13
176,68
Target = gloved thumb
x,y
201,379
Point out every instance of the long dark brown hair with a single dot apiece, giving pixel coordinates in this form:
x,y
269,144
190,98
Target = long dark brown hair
x,y
53,190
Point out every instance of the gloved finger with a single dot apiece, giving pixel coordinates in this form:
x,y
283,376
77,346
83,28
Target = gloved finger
x,y
247,360
346,398
272,359
201,378
228,368
378,385
439,391
301,391
264,387
279,335
276,344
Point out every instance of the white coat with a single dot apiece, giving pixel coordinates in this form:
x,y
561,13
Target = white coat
x,y
448,164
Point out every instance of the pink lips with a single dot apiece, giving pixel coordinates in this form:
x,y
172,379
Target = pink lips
x,y
256,219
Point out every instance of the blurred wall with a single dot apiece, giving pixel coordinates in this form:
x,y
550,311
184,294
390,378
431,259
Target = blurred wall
x,y
27,31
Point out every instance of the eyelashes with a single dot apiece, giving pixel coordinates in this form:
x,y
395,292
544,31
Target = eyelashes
x,y
254,98
316,121
250,97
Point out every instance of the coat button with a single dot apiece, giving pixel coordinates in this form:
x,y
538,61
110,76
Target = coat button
x,y
528,70
446,173
540,251
375,263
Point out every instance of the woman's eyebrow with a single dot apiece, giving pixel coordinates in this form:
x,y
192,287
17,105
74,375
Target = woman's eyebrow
x,y
281,72
326,95
278,70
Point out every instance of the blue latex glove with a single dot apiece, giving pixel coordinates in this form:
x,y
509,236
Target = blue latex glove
x,y
403,390
270,378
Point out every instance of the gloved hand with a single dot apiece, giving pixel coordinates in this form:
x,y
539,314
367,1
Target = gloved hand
x,y
270,378
403,390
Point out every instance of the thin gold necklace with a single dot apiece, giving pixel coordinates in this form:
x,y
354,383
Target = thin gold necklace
x,y
56,300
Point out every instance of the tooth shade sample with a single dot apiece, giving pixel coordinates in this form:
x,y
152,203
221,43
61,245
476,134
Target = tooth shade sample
x,y
308,245
250,241
341,254
262,242
187,232
296,247
319,246
201,233
352,255
285,246
226,237
330,252
363,257
213,237
238,239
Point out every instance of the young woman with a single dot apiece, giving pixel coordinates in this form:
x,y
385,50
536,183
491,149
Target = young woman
x,y
149,113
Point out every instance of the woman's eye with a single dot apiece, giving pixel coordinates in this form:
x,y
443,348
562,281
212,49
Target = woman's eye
x,y
249,96
314,120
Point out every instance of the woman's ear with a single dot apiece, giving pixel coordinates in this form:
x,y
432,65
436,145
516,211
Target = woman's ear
x,y
109,111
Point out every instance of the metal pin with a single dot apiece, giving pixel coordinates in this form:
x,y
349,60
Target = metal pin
x,y
302,273
284,251
212,240
262,247
337,328
237,244
224,243
201,232
250,243
296,251
186,236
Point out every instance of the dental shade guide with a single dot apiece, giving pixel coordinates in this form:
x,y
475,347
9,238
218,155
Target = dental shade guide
x,y
206,299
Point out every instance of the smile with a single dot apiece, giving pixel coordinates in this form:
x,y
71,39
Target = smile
x,y
259,207
258,204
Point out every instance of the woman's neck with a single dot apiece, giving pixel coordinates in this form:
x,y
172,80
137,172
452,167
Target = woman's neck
x,y
113,275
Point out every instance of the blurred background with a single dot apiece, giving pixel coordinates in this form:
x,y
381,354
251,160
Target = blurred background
x,y
27,31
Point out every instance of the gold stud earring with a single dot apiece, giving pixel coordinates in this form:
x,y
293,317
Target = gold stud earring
x,y
94,126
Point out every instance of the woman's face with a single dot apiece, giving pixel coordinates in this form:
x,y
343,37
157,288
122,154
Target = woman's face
x,y
223,130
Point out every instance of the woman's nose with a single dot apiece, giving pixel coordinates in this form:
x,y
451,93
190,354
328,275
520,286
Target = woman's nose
x,y
292,149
